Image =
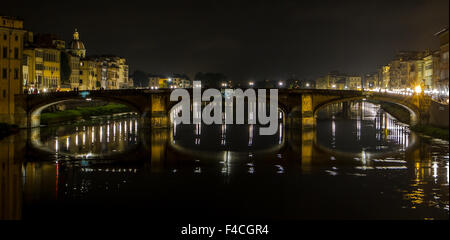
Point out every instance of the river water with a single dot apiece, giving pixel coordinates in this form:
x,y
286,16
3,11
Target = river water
x,y
362,165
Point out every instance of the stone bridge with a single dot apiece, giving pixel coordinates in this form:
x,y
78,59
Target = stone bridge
x,y
299,106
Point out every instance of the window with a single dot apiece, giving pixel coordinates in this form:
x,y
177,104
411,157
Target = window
x,y
4,73
5,52
16,38
16,73
16,53
4,36
4,93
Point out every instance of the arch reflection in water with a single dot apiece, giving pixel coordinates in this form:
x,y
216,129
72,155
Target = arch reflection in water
x,y
85,141
415,178
210,138
382,132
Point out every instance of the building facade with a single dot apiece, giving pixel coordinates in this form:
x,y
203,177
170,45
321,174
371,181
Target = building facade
x,y
431,71
112,72
12,35
41,69
88,75
42,63
371,81
443,83
339,81
384,77
156,81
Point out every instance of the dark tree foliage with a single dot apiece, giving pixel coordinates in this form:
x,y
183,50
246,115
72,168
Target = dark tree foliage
x,y
140,78
210,80
66,70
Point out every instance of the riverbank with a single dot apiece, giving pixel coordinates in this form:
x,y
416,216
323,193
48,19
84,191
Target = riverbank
x,y
403,116
7,129
80,113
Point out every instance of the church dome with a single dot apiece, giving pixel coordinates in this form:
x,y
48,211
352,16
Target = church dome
x,y
76,43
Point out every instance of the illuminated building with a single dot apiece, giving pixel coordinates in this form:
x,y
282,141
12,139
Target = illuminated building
x,y
88,75
384,77
77,51
431,70
153,81
77,46
371,81
111,72
41,63
354,82
95,72
443,83
180,81
339,81
11,50
156,81
406,70
74,62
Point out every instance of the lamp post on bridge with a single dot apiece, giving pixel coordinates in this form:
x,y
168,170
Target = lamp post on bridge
x,y
423,103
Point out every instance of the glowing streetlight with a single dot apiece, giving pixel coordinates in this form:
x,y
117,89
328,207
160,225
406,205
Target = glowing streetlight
x,y
418,89
280,83
251,83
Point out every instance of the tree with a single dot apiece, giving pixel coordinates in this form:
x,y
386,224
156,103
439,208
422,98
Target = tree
x,y
140,78
66,70
211,80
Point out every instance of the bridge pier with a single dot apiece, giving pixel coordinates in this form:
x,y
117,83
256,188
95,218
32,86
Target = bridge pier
x,y
346,113
294,120
155,120
307,148
308,120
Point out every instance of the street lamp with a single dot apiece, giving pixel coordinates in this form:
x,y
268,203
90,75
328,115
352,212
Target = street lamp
x,y
280,83
251,83
418,89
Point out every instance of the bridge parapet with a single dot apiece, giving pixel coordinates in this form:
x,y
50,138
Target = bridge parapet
x,y
299,105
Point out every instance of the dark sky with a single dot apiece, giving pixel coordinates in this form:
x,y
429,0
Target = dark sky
x,y
269,39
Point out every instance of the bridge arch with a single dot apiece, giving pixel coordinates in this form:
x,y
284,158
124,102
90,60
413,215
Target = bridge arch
x,y
411,108
35,111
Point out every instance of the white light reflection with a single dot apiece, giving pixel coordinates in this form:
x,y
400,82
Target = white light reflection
x,y
56,144
250,135
280,140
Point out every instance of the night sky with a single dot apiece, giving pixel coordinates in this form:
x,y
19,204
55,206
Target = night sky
x,y
245,41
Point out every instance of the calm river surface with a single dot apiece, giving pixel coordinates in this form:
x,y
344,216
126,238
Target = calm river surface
x,y
365,165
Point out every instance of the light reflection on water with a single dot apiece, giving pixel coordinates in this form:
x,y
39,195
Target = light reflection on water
x,y
367,154
89,141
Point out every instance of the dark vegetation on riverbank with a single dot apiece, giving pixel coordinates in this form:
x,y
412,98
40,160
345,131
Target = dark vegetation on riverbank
x,y
403,116
432,131
7,129
396,111
82,113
